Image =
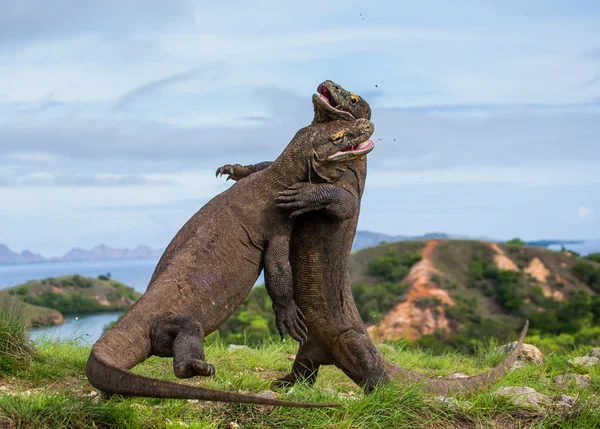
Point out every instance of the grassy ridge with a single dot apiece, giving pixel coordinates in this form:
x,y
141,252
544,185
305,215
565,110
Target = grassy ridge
x,y
44,386
53,393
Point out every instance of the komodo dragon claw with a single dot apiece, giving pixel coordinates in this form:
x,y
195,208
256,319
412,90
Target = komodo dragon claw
x,y
229,170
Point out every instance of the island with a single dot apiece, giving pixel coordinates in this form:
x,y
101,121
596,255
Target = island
x,y
46,302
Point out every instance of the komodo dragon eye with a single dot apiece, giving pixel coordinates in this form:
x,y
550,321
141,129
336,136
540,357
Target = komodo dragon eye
x,y
354,100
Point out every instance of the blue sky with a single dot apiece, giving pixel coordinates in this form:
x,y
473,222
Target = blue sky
x,y
115,114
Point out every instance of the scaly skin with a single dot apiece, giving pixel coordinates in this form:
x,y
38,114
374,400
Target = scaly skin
x,y
208,269
319,255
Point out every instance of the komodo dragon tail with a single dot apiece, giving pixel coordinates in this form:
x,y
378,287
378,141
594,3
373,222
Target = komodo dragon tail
x,y
467,385
111,380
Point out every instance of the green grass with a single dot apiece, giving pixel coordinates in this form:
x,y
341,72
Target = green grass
x,y
16,351
52,392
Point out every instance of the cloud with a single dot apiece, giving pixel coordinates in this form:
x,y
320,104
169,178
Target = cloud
x,y
24,22
517,138
584,212
142,100
592,54
210,72
31,157
44,179
547,175
593,81
583,215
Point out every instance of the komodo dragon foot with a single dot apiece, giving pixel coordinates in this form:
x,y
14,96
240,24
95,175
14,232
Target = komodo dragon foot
x,y
181,336
306,366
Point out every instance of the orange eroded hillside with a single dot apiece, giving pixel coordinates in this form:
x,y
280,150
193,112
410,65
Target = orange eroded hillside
x,y
445,273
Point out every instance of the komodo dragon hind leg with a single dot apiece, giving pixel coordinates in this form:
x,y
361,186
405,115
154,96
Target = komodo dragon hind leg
x,y
306,365
181,336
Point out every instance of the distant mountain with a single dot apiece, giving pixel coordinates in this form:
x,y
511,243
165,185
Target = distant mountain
x,y
7,256
102,251
364,239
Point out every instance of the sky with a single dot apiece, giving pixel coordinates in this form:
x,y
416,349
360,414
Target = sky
x,y
114,115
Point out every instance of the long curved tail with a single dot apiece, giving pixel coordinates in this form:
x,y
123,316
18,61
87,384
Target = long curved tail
x,y
112,380
467,385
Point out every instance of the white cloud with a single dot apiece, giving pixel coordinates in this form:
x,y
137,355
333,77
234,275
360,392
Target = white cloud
x,y
511,80
31,157
583,216
548,175
584,212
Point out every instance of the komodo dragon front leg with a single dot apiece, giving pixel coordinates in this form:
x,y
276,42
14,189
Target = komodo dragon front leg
x,y
279,285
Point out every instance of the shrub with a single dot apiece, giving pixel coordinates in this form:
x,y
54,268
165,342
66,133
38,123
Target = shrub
x,y
594,257
588,274
375,300
16,351
517,242
104,276
393,267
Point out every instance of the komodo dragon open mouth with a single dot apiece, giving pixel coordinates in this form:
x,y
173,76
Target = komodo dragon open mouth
x,y
353,151
329,99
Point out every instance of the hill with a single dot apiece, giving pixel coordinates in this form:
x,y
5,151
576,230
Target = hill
x,y
462,289
48,300
457,293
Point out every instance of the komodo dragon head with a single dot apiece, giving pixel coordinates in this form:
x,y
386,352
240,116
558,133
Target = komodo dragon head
x,y
332,102
344,117
327,149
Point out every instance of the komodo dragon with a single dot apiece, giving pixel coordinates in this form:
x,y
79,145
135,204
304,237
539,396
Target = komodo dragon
x,y
211,265
319,255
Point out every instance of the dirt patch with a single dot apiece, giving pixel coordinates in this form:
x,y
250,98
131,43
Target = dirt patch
x,y
58,291
540,273
409,319
538,270
561,279
502,261
102,300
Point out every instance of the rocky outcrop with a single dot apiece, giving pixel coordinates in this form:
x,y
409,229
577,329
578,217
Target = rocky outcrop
x,y
578,380
526,397
529,353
